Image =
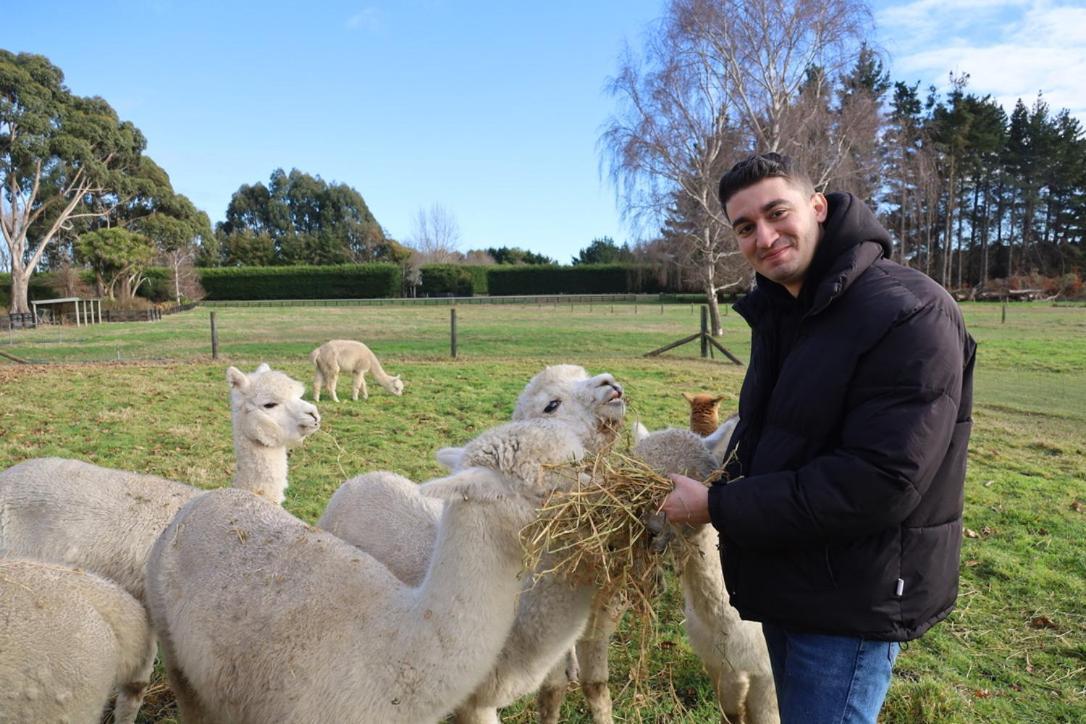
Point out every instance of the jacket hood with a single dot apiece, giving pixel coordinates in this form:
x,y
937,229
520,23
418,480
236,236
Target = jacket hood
x,y
848,223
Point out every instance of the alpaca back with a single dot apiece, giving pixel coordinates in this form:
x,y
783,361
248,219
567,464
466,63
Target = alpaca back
x,y
384,514
344,355
68,639
83,515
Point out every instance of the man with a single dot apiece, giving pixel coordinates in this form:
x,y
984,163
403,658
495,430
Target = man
x,y
841,527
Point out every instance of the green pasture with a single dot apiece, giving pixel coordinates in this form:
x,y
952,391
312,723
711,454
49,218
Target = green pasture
x,y
1013,651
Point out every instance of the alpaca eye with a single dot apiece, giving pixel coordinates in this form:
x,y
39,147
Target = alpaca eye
x,y
552,406
270,405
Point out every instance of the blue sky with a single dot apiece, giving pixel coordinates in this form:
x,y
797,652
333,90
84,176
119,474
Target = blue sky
x,y
491,109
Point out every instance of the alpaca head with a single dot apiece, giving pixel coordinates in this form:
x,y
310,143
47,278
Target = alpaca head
x,y
532,455
395,385
268,407
567,393
674,451
703,411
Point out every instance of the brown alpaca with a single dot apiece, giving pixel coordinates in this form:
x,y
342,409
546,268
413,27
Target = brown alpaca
x,y
704,418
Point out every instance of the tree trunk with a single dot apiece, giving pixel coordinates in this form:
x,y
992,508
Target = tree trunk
x,y
20,283
714,310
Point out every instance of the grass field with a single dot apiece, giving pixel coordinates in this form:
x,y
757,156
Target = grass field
x,y
1014,651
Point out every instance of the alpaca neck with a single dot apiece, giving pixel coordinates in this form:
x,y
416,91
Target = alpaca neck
x,y
379,374
260,469
462,612
551,614
703,580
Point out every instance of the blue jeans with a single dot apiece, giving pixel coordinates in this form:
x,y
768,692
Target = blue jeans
x,y
825,679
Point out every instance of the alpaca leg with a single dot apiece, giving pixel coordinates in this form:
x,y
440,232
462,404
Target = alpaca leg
x,y
469,714
127,704
189,705
592,656
130,694
731,693
553,691
333,380
762,701
317,382
360,383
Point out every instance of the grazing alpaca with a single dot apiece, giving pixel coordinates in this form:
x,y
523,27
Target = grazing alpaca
x,y
344,355
265,619
733,651
68,639
105,520
704,415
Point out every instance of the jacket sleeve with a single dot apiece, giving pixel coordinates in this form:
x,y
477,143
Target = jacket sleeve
x,y
898,419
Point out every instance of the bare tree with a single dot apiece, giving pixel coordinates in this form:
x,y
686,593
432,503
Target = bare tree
x,y
185,280
435,234
717,80
668,143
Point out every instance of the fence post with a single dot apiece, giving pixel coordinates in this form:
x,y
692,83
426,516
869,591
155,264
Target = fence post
x,y
704,331
452,331
1003,319
214,338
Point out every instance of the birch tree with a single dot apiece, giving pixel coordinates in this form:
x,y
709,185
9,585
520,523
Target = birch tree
x,y
717,80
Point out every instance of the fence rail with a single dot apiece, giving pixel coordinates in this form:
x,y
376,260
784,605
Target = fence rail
x,y
151,314
546,299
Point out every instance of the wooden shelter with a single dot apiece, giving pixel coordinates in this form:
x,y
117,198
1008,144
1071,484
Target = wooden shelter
x,y
85,311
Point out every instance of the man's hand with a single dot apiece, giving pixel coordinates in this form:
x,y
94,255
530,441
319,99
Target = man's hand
x,y
688,502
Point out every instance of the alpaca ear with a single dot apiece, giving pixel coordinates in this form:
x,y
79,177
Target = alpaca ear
x,y
640,432
450,457
717,400
717,441
472,483
237,379
264,367
688,397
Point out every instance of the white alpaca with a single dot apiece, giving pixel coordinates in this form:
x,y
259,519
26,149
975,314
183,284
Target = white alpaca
x,y
263,618
68,639
385,515
733,651
344,355
105,520
588,664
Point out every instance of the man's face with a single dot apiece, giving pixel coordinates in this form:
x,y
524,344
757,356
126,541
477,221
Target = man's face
x,y
778,229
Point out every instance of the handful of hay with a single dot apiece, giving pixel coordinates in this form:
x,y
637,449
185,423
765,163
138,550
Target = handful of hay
x,y
599,529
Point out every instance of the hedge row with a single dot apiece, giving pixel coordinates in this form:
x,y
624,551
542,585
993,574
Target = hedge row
x,y
366,281
580,279
455,279
340,281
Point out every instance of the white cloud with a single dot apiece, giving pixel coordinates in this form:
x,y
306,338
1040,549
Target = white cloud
x,y
368,18
1010,49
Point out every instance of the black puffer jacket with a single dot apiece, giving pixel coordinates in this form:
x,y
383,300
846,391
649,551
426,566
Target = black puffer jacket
x,y
855,418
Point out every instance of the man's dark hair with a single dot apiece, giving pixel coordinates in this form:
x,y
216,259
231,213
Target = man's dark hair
x,y
757,168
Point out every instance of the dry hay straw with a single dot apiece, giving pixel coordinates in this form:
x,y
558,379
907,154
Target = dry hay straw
x,y
599,529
